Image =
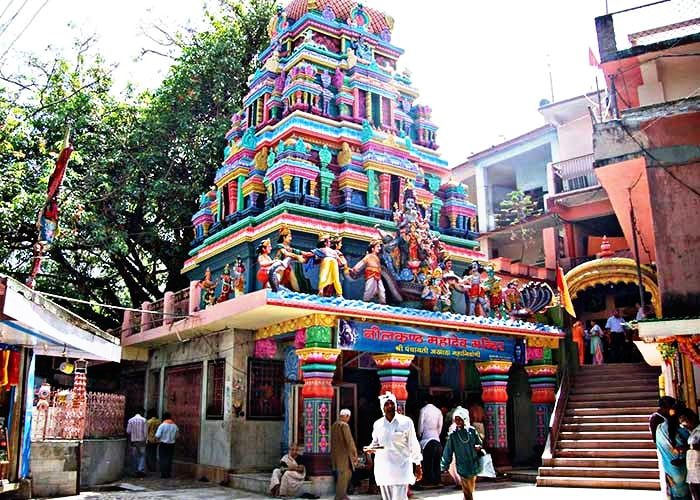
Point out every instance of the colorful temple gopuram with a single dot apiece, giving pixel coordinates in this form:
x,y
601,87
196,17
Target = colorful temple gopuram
x,y
335,260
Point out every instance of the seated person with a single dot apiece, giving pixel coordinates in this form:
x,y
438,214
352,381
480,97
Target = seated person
x,y
287,480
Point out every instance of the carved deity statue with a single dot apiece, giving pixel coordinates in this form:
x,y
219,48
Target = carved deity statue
x,y
372,265
475,292
208,286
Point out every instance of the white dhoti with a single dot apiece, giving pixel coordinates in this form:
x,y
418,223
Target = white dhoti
x,y
374,287
394,492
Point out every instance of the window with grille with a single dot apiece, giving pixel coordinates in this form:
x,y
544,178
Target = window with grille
x,y
265,383
216,371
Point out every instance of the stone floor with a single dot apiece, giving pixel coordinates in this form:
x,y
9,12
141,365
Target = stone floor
x,y
158,489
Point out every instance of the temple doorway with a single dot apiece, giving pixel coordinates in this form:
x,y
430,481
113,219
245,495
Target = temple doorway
x,y
521,419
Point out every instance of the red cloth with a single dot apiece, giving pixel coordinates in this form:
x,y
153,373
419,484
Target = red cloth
x,y
14,368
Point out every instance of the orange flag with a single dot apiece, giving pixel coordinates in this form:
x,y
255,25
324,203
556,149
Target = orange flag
x,y
564,296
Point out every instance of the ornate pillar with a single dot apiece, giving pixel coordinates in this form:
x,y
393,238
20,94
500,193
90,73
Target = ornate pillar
x,y
239,198
393,370
494,384
543,382
385,191
318,366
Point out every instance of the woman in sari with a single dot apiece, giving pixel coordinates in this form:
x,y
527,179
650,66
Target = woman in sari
x,y
596,344
671,443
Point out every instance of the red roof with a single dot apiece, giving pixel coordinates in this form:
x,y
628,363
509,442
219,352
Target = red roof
x,y
342,9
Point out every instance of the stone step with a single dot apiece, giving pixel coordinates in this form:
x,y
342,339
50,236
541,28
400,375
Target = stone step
x,y
626,403
605,426
599,482
605,453
615,386
630,463
620,367
598,411
607,419
609,396
599,472
621,436
596,444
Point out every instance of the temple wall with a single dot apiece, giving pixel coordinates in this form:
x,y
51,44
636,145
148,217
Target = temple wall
x,y
254,444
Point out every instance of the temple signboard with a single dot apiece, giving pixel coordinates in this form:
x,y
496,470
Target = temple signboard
x,y
379,338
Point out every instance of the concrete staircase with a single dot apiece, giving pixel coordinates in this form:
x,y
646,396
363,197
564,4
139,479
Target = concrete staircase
x,y
604,439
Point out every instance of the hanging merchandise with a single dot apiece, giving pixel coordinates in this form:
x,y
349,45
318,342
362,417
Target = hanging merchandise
x,y
14,368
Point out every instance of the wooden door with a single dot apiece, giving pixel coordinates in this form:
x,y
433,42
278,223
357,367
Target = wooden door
x,y
182,398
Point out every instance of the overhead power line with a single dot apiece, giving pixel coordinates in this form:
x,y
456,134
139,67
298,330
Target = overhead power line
x,y
7,24
23,29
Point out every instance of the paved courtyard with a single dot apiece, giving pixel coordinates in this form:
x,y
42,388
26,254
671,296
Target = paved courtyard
x,y
192,490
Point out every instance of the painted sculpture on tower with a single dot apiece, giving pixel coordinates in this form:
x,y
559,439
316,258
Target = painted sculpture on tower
x,y
291,273
372,265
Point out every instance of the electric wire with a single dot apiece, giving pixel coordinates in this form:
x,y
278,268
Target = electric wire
x,y
7,24
24,29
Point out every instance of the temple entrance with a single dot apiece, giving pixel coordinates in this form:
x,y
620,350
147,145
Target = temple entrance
x,y
366,409
521,419
182,398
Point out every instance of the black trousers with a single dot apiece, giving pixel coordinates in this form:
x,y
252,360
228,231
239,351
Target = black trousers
x,y
617,347
151,457
431,463
165,456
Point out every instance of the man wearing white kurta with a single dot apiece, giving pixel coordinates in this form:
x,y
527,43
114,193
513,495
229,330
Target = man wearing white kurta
x,y
396,446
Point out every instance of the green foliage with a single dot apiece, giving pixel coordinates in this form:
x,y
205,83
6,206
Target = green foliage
x,y
139,162
516,208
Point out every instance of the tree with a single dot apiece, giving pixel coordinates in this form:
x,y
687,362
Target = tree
x,y
516,209
138,165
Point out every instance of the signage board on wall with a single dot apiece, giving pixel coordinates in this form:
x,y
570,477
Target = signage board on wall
x,y
379,338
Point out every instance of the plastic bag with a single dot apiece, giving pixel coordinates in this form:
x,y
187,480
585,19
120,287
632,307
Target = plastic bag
x,y
487,469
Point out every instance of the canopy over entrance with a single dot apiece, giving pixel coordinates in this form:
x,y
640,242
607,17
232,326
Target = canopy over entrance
x,y
30,320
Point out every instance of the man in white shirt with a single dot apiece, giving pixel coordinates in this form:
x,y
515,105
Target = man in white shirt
x,y
616,326
136,434
166,436
429,427
397,449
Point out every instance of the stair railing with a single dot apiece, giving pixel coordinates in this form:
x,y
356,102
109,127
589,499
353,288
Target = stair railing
x,y
557,415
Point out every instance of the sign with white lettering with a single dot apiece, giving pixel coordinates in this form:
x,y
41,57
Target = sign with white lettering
x,y
378,338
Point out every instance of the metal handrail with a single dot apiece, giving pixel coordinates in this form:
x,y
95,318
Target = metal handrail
x,y
557,414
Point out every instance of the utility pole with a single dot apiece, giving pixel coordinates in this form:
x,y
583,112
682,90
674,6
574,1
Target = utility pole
x,y
640,286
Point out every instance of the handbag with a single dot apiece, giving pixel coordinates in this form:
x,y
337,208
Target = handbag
x,y
486,465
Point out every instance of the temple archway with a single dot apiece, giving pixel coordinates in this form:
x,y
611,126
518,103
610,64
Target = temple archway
x,y
613,271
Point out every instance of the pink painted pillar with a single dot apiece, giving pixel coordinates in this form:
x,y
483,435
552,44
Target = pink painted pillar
x,y
194,297
168,308
356,104
385,191
145,317
127,327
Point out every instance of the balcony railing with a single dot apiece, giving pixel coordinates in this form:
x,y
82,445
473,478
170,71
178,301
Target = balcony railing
x,y
173,306
575,173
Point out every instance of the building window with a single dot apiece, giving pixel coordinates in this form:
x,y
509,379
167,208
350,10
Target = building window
x,y
265,383
216,371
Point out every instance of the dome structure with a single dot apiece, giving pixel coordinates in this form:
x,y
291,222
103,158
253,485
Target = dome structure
x,y
344,11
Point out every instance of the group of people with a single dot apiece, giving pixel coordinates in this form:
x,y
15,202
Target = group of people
x,y
676,433
609,344
400,459
151,442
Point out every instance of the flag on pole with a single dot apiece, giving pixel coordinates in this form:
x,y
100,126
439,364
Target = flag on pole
x,y
47,221
592,59
564,296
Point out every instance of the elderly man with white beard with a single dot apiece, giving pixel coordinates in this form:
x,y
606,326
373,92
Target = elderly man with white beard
x,y
397,450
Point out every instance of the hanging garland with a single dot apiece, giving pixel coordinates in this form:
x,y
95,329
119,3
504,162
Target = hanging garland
x,y
688,345
668,351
